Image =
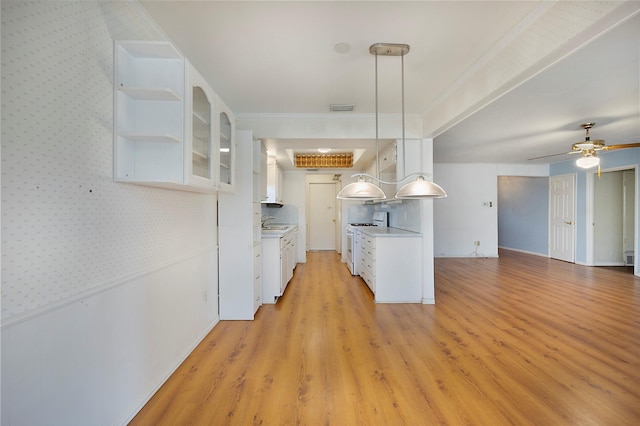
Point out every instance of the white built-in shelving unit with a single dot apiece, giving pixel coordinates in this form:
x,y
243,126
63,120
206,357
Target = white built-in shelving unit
x,y
171,129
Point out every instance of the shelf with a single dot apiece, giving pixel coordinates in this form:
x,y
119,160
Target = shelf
x,y
200,155
150,94
200,118
150,49
139,137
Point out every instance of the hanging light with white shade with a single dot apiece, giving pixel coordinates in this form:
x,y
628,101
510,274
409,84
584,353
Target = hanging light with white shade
x,y
363,190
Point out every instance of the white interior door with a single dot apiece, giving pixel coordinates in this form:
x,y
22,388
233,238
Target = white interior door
x,y
562,221
322,216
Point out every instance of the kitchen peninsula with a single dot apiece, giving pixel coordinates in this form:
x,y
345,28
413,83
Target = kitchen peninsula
x,y
389,261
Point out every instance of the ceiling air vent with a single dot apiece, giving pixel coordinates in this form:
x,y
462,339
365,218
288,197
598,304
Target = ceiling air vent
x,y
341,108
318,161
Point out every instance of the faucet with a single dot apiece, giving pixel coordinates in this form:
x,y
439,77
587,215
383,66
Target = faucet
x,y
265,219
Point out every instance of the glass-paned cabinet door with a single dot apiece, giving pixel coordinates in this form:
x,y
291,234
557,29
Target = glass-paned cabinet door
x,y
226,147
201,150
199,147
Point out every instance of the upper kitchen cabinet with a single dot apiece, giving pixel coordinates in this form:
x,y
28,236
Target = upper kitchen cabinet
x,y
170,128
226,147
410,152
259,171
274,182
149,114
199,132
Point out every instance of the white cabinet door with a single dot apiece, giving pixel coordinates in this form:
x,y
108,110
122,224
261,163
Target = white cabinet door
x,y
257,273
409,159
199,132
225,149
274,182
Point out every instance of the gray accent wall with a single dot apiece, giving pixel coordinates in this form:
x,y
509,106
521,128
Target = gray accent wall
x,y
523,213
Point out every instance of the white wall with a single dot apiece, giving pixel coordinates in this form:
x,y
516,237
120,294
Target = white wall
x,y
469,213
106,287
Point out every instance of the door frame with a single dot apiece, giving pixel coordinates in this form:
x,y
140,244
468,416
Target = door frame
x,y
573,219
324,179
590,212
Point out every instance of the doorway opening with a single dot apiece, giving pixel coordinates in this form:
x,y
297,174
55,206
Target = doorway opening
x,y
613,218
323,215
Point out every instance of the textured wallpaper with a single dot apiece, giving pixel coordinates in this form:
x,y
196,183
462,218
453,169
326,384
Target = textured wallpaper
x,y
67,228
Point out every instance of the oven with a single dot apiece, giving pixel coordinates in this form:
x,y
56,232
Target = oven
x,y
350,249
379,219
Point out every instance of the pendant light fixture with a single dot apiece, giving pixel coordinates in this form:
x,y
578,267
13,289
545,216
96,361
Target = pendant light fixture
x,y
363,190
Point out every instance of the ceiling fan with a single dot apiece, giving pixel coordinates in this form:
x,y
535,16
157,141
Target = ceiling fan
x,y
588,149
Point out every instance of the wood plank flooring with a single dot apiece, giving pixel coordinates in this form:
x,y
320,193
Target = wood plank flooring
x,y
520,340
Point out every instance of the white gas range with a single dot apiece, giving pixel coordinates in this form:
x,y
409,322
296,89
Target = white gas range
x,y
379,219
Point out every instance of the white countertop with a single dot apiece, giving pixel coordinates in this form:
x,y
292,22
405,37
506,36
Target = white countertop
x,y
380,231
281,230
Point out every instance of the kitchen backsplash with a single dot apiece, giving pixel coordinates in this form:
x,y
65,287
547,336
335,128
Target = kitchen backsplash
x,y
360,213
404,215
288,213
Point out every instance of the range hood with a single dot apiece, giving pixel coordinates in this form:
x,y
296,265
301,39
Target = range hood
x,y
272,204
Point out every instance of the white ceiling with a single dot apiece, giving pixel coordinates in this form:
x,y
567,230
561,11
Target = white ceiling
x,y
269,57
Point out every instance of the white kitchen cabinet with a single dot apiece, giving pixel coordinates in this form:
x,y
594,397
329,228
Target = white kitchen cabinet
x,y
149,113
389,262
240,254
274,182
263,172
257,274
259,171
286,261
170,128
367,259
278,264
409,159
199,132
387,160
226,151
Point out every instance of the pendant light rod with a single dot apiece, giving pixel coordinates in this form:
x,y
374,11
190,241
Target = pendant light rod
x,y
418,189
402,89
391,182
377,138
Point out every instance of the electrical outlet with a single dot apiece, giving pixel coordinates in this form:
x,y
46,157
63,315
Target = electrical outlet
x,y
476,243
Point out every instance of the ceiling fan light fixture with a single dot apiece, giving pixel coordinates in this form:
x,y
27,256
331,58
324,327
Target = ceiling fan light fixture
x,y
361,190
588,161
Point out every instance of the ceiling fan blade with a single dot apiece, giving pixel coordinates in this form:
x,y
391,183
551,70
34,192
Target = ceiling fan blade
x,y
554,155
622,146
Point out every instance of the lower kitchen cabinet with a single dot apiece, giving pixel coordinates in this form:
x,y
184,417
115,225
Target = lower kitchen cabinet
x,y
390,265
278,263
239,238
240,273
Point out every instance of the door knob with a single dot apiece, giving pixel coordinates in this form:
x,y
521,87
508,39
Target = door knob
x,y
569,223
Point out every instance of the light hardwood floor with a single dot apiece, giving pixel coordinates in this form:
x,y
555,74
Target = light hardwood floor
x,y
520,340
